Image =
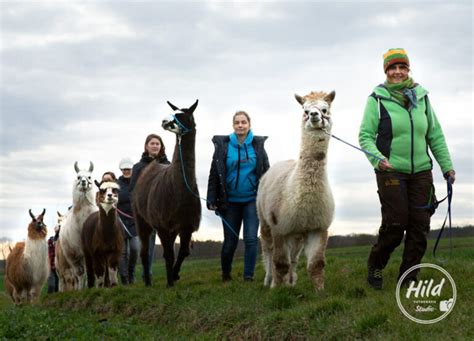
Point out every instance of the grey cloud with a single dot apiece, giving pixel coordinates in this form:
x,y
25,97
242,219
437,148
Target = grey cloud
x,y
200,50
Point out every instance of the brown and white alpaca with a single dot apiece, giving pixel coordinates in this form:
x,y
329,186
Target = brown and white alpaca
x,y
27,266
295,203
69,255
163,200
102,238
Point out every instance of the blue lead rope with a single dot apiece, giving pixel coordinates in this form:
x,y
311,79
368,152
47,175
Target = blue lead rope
x,y
349,144
448,218
226,223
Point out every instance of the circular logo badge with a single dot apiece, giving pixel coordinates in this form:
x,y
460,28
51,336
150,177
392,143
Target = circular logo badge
x,y
428,299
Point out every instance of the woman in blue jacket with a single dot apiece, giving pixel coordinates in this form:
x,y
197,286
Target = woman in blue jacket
x,y
238,163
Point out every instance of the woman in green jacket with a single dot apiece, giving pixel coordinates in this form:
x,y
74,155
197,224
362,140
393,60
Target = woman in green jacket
x,y
399,126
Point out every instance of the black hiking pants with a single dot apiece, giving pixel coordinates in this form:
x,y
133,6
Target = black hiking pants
x,y
403,198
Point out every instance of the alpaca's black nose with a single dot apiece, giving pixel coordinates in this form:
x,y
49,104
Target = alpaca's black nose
x,y
314,116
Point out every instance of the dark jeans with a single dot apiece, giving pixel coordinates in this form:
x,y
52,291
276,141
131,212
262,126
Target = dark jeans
x,y
151,252
234,215
128,260
402,197
53,282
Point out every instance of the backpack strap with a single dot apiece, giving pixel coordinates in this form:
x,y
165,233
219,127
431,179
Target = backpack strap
x,y
378,102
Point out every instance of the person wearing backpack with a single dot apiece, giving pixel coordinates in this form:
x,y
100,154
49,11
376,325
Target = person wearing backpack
x,y
399,126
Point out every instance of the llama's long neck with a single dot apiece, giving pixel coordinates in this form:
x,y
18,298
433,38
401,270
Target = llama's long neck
x,y
313,156
187,158
107,221
36,245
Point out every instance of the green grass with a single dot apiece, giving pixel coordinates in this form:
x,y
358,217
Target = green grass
x,y
200,306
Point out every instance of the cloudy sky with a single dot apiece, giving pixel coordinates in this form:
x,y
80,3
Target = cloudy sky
x,y
88,81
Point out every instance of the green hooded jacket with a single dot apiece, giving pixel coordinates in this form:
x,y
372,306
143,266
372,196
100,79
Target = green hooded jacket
x,y
403,136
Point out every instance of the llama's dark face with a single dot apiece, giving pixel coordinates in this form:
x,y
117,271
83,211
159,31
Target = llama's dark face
x,y
181,121
37,229
108,195
316,107
84,178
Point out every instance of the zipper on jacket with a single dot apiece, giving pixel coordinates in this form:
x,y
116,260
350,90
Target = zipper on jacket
x,y
412,144
238,168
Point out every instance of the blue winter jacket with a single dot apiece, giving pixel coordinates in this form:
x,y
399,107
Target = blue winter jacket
x,y
217,185
241,178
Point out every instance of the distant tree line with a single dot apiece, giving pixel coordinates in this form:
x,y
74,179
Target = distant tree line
x,y
211,249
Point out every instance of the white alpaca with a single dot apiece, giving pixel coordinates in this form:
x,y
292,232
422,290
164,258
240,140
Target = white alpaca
x,y
69,255
27,266
295,203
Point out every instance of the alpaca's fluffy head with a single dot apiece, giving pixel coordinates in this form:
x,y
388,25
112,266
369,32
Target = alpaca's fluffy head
x,y
108,195
37,229
316,106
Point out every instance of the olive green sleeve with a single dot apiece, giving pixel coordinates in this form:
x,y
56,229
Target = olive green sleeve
x,y
437,142
368,131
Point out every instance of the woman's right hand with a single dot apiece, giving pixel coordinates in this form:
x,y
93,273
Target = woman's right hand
x,y
385,165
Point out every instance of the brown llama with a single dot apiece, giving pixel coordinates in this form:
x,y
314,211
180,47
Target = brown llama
x,y
167,202
27,266
102,238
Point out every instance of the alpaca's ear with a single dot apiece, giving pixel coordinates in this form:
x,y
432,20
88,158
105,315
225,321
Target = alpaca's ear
x,y
76,167
193,107
59,214
97,183
330,97
42,213
91,166
174,107
299,99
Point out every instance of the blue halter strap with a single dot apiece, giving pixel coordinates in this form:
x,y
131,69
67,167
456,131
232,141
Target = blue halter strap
x,y
184,130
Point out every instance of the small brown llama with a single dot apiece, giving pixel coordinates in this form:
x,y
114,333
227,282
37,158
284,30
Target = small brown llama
x,y
102,238
27,266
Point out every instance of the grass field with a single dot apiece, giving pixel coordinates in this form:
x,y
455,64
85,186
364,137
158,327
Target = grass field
x,y
200,306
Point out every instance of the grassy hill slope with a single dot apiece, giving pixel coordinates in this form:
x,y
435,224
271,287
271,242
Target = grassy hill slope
x,y
200,306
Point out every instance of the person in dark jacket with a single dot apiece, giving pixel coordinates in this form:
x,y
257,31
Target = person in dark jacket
x,y
154,151
238,163
53,279
399,127
131,249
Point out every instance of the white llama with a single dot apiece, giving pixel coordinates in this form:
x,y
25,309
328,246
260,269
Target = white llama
x,y
295,203
69,255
